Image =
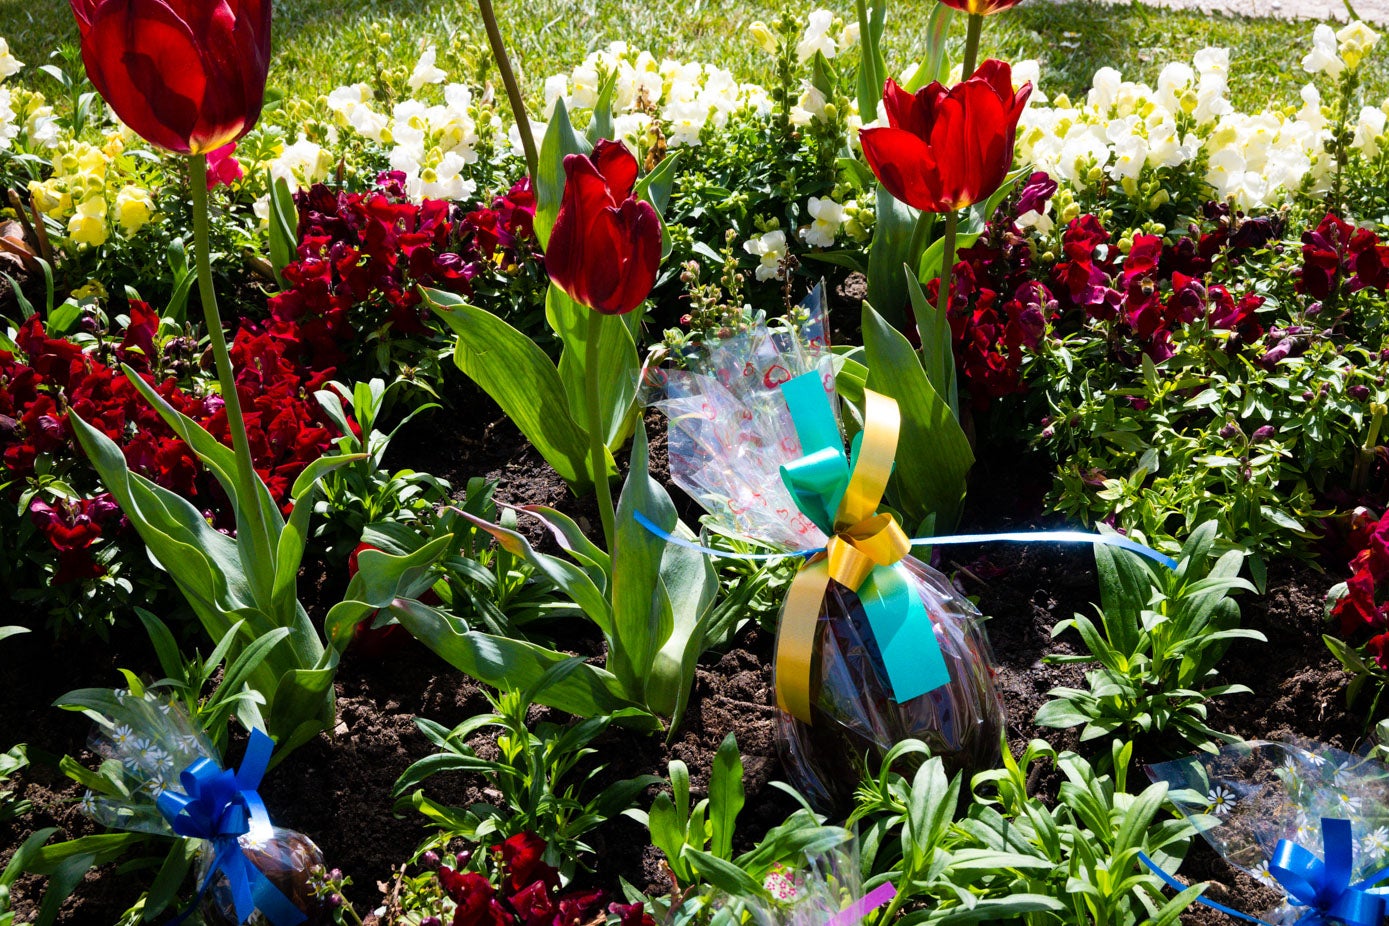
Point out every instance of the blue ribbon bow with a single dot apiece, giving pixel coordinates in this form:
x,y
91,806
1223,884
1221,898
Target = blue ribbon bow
x,y
221,806
1320,884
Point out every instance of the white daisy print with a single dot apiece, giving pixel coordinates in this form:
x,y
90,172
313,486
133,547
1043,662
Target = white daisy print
x,y
1220,799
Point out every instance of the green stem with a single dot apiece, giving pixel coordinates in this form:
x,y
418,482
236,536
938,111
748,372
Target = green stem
x,y
248,501
598,463
947,264
976,25
513,89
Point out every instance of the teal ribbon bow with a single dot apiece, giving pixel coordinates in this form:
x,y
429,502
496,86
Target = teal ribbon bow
x,y
221,806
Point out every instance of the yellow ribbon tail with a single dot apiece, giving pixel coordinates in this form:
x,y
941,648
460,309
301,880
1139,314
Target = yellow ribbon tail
x,y
795,642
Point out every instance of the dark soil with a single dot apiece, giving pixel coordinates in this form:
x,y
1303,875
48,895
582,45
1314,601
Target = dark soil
x,y
336,789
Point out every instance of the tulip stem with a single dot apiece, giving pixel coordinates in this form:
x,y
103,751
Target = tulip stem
x,y
598,462
248,501
976,26
513,89
947,264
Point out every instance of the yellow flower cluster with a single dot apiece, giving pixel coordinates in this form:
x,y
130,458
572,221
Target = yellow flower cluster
x,y
93,191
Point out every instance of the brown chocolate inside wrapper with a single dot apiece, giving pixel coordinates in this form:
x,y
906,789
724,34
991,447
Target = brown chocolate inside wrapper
x,y
854,718
286,859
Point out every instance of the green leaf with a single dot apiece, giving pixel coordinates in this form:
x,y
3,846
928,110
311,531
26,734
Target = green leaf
x,y
725,875
521,379
937,350
560,140
898,233
284,229
933,454
618,364
726,796
872,68
601,125
508,664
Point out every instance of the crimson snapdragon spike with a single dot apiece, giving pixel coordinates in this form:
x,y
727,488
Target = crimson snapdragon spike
x,y
605,248
947,148
187,75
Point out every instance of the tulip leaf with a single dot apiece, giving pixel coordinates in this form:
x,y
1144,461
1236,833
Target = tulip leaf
x,y
935,65
642,618
655,188
505,663
822,75
560,140
872,68
688,581
521,379
601,125
937,349
933,454
898,234
618,365
284,228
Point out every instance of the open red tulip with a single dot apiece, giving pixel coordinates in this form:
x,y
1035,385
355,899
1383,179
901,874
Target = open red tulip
x,y
980,7
187,75
605,247
945,149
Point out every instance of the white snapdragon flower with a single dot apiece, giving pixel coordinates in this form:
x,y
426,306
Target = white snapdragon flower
x,y
770,249
43,129
811,105
513,137
1173,80
817,37
1325,56
1030,71
9,64
1369,131
686,121
556,89
828,215
633,130
302,164
1104,90
425,71
584,83
850,36
8,127
1311,112
1354,42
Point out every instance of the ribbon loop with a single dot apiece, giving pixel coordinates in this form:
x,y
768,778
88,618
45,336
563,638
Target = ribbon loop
x,y
861,554
221,806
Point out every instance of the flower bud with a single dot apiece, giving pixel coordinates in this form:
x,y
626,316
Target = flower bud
x,y
430,859
1262,434
1228,431
1359,393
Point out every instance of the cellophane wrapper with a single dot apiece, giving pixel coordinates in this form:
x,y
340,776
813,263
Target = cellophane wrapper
x,y
730,432
809,894
1249,795
145,741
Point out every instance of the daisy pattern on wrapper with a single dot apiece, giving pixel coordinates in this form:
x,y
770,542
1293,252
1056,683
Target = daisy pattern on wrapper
x,y
88,803
1376,842
1220,799
1263,875
1347,803
122,736
780,884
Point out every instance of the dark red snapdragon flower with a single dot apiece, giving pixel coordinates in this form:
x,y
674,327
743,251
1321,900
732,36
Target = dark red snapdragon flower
x,y
605,247
1323,252
72,526
947,148
1365,605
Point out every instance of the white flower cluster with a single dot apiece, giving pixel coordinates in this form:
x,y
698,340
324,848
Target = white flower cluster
x,y
9,127
683,97
1253,160
430,143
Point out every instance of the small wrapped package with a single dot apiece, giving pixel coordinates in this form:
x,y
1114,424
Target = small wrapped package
x,y
163,776
826,890
873,646
1304,819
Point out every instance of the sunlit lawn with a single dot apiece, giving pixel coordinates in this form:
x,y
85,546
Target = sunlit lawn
x,y
321,44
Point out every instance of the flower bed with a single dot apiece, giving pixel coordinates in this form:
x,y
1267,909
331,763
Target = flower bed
x,y
1145,314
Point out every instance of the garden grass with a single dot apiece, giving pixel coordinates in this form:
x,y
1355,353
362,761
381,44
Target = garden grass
x,y
321,44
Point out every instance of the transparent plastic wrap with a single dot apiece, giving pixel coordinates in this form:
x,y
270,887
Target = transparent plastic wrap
x,y
1276,811
731,432
826,890
163,776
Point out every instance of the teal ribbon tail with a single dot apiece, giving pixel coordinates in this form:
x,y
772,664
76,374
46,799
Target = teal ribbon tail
x,y
904,634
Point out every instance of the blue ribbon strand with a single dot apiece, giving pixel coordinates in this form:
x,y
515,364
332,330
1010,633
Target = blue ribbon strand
x,y
221,806
1320,884
1112,540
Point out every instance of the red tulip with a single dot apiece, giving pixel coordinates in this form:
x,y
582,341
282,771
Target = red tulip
x,y
605,247
947,149
980,7
187,75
